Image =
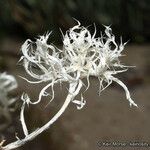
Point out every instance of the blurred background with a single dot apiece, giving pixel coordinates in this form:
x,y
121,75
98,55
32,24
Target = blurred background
x,y
104,118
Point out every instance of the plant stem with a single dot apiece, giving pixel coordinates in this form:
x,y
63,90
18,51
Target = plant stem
x,y
73,91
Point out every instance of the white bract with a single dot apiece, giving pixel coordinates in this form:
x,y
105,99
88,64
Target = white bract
x,y
83,55
7,84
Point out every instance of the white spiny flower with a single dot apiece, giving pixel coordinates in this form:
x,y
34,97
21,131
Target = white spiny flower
x,y
83,55
87,56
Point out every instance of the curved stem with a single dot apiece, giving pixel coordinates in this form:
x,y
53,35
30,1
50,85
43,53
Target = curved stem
x,y
73,90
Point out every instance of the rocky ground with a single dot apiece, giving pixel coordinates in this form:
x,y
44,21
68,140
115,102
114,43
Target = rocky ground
x,y
105,118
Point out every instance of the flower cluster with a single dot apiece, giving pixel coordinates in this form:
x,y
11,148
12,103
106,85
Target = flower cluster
x,y
83,55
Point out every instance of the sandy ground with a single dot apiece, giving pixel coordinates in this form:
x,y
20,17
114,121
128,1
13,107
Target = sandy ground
x,y
105,119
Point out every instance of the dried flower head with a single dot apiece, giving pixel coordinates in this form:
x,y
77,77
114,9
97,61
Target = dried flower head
x,y
7,84
83,55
